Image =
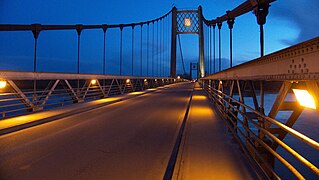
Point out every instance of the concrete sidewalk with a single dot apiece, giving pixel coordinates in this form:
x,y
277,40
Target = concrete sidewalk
x,y
207,150
25,121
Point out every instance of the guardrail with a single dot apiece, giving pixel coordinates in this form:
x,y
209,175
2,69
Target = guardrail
x,y
24,92
260,135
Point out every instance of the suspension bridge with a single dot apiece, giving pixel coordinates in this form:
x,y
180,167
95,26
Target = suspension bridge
x,y
142,120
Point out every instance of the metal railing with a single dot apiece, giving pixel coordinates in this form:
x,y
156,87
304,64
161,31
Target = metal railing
x,y
256,140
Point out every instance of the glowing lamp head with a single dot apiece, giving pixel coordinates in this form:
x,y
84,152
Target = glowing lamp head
x,y
128,81
178,77
145,80
187,22
3,84
155,80
304,98
93,81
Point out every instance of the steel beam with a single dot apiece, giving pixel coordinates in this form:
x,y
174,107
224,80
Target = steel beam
x,y
49,93
24,100
201,44
298,62
20,75
173,43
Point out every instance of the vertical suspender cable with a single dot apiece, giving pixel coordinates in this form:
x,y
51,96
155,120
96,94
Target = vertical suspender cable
x,y
35,70
168,45
230,23
147,49
121,48
162,47
35,54
206,49
210,49
157,64
153,49
104,28
161,52
132,50
165,57
79,30
261,13
231,47
78,63
141,51
219,24
35,32
214,39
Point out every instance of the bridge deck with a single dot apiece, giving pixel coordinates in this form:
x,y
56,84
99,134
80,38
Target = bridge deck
x,y
131,139
208,152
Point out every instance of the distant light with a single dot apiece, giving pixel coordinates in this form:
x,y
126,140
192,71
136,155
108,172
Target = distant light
x,y
3,84
145,80
162,79
155,80
202,75
220,82
128,81
187,22
178,77
304,98
199,97
136,93
93,81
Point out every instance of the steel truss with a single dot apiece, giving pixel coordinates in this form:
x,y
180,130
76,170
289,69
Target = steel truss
x,y
59,89
259,134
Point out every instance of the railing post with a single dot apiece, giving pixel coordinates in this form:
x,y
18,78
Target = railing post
x,y
173,43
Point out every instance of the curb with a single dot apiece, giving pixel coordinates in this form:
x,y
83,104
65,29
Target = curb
x,y
54,117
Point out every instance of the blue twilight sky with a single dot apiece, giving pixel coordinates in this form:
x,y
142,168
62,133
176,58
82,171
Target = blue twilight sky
x,y
288,23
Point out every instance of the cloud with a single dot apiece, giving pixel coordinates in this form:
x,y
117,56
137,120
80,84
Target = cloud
x,y
303,13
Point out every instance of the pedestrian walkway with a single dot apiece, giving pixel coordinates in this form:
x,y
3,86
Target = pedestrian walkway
x,y
207,150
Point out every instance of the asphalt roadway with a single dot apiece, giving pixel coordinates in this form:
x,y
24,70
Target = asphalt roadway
x,y
130,139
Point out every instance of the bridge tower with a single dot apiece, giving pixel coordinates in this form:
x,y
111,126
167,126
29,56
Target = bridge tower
x,y
187,22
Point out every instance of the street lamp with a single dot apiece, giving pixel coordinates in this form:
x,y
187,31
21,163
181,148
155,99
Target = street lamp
x,y
93,81
304,98
3,84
